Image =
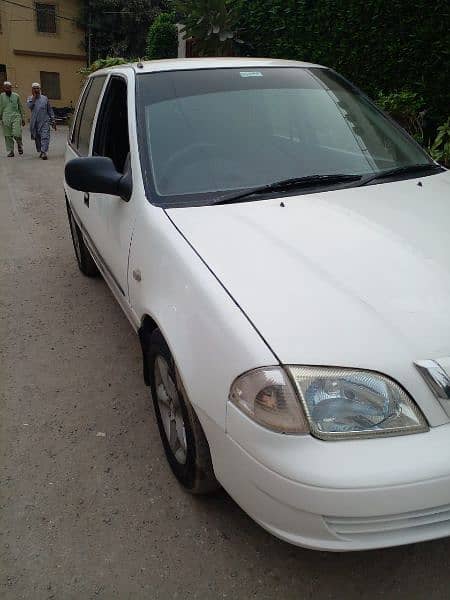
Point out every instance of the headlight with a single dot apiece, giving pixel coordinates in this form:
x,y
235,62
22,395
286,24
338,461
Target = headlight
x,y
347,403
267,396
330,403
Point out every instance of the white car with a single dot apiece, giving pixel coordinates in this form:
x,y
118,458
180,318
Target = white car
x,y
283,250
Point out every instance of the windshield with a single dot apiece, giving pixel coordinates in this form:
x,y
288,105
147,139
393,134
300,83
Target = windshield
x,y
206,132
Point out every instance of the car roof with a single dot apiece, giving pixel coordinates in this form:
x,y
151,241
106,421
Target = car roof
x,y
177,64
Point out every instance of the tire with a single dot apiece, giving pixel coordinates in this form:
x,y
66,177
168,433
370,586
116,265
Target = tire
x,y
182,436
85,261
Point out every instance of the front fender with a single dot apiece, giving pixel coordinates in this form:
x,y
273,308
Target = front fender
x,y
210,338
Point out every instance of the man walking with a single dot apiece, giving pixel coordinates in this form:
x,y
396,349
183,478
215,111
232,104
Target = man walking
x,y
12,118
42,117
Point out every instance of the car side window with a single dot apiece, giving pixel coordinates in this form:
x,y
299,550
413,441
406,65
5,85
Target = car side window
x,y
86,115
111,134
75,130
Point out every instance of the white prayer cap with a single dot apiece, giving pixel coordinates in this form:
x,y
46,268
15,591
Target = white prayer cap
x,y
7,83
35,84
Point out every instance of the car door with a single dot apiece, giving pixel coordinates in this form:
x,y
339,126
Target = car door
x,y
80,141
111,217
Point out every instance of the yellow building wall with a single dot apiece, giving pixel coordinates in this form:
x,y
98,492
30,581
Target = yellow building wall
x,y
26,52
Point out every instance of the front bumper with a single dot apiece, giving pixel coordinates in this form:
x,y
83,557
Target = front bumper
x,y
339,496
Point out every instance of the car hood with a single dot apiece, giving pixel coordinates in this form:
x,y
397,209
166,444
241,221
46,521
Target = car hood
x,y
356,277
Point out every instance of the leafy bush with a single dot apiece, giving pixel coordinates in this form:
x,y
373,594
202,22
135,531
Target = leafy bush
x,y
162,39
213,24
440,149
103,63
406,108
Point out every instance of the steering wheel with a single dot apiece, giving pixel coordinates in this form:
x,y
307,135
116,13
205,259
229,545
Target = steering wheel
x,y
186,155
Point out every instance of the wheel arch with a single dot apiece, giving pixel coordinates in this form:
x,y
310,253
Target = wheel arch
x,y
148,326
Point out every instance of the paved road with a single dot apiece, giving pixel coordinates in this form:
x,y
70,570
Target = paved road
x,y
85,515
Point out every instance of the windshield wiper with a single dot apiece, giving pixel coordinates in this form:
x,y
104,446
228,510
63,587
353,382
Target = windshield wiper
x,y
288,184
408,170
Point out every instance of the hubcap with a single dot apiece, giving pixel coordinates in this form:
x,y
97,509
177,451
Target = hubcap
x,y
170,410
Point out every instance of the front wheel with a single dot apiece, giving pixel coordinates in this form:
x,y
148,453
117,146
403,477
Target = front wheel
x,y
184,442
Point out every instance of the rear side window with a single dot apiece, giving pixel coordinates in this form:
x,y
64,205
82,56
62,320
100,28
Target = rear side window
x,y
83,125
76,124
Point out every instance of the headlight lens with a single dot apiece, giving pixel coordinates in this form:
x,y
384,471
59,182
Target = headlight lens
x,y
347,403
267,396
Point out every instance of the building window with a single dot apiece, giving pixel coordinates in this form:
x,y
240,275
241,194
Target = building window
x,y
50,85
46,18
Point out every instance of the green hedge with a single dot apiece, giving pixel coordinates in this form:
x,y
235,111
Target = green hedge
x,y
383,45
162,40
103,63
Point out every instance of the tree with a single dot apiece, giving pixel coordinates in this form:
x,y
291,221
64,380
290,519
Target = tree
x,y
162,40
119,27
214,25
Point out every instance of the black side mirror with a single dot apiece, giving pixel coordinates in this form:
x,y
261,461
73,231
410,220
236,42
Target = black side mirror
x,y
97,174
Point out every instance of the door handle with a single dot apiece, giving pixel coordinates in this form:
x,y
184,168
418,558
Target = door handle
x,y
86,198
